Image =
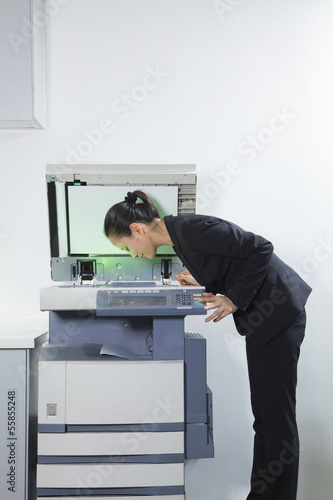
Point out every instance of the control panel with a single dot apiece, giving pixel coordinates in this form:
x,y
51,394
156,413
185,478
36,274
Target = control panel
x,y
157,301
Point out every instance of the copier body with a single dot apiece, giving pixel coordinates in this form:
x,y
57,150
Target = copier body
x,y
122,398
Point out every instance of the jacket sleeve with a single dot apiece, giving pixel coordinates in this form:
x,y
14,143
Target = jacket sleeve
x,y
253,253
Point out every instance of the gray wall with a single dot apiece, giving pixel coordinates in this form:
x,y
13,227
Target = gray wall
x,y
244,90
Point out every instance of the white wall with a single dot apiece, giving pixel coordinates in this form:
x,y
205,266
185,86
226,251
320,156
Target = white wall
x,y
226,69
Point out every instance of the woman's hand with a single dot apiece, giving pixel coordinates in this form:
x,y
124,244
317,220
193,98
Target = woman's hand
x,y
221,303
186,278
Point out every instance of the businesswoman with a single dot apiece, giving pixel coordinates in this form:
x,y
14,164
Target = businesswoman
x,y
242,276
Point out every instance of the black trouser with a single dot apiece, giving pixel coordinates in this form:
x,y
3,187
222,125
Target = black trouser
x,y
273,378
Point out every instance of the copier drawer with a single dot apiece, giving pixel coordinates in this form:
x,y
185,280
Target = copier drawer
x,y
104,392
83,476
80,444
107,497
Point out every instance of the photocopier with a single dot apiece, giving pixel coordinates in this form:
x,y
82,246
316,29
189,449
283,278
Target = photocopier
x,y
123,399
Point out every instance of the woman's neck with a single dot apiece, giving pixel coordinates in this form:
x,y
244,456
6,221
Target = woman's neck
x,y
161,235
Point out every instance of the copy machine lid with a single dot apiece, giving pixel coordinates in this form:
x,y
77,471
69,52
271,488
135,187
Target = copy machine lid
x,y
79,197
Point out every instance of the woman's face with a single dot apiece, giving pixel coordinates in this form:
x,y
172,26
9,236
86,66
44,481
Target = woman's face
x,y
139,244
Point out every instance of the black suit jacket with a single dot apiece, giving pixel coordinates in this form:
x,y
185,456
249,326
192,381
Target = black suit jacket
x,y
241,265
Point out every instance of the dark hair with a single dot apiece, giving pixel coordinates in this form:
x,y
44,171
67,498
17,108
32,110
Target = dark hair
x,y
121,215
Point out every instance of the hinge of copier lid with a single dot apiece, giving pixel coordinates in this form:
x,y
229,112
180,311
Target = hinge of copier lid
x,y
86,270
166,271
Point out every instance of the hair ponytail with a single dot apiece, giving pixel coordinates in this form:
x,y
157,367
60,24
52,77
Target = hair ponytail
x,y
121,215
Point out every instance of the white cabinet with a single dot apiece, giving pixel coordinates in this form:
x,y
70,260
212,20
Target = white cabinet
x,y
22,87
19,353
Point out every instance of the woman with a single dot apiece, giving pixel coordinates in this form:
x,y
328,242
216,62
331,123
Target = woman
x,y
243,277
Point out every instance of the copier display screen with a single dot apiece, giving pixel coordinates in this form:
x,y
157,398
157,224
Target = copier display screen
x,y
137,301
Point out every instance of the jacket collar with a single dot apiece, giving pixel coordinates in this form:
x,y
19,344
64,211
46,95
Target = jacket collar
x,y
169,221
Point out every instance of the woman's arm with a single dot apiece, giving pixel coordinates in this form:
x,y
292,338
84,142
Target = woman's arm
x,y
186,278
251,253
222,304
